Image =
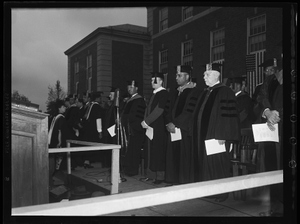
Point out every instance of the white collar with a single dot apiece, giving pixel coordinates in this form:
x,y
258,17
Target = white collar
x,y
133,95
237,93
158,89
216,83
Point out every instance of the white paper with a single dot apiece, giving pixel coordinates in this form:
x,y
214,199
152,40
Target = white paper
x,y
213,147
111,130
176,136
262,133
149,133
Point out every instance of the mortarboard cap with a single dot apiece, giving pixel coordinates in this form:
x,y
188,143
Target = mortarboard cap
x,y
97,94
132,83
237,80
157,74
184,68
113,89
213,67
268,63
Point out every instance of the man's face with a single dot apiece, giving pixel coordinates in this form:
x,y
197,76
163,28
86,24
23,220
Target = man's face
x,y
111,96
269,70
62,109
85,99
210,78
182,78
132,89
157,84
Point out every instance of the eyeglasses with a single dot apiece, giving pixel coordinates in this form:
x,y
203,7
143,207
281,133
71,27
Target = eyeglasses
x,y
269,70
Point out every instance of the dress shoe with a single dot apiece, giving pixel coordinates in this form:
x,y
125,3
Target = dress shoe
x,y
157,181
144,179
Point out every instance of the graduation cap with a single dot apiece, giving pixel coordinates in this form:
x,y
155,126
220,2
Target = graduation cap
x,y
113,89
268,63
70,96
97,94
237,80
86,94
132,83
184,68
213,67
157,74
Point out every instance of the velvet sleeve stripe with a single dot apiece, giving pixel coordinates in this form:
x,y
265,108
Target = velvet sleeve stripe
x,y
229,115
228,101
228,108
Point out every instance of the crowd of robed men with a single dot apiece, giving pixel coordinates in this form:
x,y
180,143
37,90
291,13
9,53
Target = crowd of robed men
x,y
217,112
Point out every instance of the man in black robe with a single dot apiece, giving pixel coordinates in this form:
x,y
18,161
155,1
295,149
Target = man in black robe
x,y
92,127
179,161
270,99
154,122
216,117
57,138
244,103
131,118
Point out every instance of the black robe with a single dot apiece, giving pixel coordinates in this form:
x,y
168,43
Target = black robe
x,y
131,118
72,119
60,124
154,117
179,160
271,96
216,117
245,109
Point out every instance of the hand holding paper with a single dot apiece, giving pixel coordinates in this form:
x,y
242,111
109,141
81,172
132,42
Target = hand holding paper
x,y
262,133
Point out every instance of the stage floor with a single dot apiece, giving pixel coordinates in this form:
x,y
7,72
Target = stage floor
x,y
97,182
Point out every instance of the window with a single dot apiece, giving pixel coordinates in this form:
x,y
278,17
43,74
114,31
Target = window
x,y
187,12
163,19
76,73
163,65
217,45
257,33
187,53
89,71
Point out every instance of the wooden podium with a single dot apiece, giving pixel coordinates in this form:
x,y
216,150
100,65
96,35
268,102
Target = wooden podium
x,y
29,157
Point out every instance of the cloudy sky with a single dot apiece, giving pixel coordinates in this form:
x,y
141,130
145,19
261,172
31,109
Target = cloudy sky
x,y
40,36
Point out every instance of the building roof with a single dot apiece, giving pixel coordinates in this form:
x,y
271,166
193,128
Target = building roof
x,y
124,30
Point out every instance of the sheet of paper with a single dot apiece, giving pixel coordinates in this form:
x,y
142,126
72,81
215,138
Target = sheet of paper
x,y
176,136
213,147
149,133
111,130
262,133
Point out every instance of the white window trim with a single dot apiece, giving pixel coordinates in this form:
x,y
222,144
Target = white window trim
x,y
248,33
184,7
211,43
182,50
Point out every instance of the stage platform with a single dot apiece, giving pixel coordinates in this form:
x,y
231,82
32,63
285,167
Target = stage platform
x,y
97,183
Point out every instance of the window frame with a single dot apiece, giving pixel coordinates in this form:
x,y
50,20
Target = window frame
x,y
189,55
163,27
214,46
262,34
184,9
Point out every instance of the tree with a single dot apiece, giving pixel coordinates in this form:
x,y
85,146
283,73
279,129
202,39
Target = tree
x,y
55,92
16,96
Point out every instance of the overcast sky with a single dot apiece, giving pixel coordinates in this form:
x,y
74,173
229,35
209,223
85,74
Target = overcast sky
x,y
41,36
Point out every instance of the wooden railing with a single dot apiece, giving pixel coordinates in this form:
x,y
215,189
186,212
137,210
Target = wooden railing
x,y
94,146
140,199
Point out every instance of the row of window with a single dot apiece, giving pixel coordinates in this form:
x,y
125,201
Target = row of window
x,y
256,41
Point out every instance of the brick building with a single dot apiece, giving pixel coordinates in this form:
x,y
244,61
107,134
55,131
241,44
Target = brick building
x,y
110,56
227,35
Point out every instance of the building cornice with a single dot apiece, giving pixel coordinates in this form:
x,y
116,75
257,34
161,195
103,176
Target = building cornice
x,y
109,31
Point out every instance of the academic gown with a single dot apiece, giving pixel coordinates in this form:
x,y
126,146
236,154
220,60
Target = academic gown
x,y
154,117
216,117
245,109
131,118
72,119
60,124
271,96
179,160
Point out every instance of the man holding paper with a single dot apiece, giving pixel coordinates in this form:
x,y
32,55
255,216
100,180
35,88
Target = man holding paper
x,y
154,119
179,162
216,122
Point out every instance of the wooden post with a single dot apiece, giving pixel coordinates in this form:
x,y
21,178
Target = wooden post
x,y
115,171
